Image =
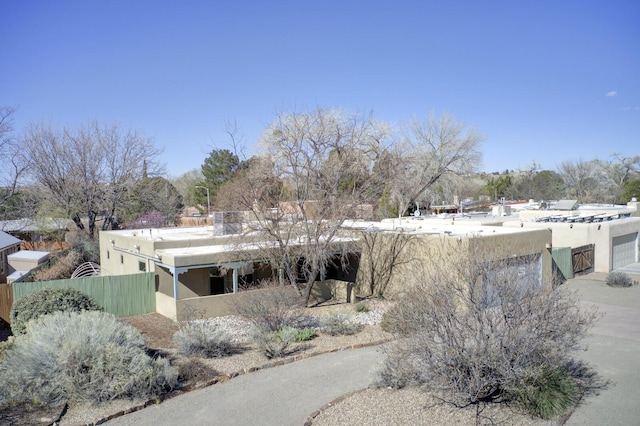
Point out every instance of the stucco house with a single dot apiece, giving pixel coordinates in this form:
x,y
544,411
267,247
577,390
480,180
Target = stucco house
x,y
195,268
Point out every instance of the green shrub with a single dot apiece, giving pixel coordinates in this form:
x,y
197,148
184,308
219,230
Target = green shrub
x,y
88,248
361,307
339,325
551,394
275,344
619,279
86,356
303,334
46,301
203,338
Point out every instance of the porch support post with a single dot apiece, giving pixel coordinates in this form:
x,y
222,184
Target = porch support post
x,y
235,280
176,294
176,282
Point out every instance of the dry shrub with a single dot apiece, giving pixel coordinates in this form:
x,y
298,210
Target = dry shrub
x,y
339,325
193,370
60,268
271,307
480,329
275,344
619,279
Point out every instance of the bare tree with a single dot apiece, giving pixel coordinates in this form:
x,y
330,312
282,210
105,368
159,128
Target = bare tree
x,y
431,150
310,175
14,165
153,198
586,180
620,170
379,264
127,156
88,171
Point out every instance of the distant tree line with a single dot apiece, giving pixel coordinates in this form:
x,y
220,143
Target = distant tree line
x,y
596,181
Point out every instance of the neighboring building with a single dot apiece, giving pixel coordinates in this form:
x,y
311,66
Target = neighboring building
x,y
23,261
8,245
598,237
609,241
36,230
603,237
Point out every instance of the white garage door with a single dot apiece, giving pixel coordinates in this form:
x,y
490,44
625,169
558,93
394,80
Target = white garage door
x,y
624,250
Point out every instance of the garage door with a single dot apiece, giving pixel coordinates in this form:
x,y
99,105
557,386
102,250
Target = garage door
x,y
624,250
523,272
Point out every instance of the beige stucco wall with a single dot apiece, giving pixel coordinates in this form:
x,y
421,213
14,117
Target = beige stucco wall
x,y
211,306
580,234
166,305
422,248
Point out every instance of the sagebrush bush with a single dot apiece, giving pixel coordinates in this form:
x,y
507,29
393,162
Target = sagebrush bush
x,y
339,325
275,344
86,356
46,301
271,308
619,279
203,338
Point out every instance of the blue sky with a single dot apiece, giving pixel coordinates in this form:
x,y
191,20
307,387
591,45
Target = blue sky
x,y
542,80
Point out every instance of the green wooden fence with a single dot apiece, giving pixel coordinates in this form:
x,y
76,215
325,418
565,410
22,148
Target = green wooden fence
x,y
562,263
120,295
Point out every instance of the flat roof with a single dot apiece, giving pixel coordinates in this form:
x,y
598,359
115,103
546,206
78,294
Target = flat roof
x,y
416,227
174,233
29,254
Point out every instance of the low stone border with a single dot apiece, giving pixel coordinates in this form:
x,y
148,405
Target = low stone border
x,y
226,377
328,405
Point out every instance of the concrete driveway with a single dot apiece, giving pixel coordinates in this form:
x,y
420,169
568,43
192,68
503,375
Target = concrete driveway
x,y
277,396
613,348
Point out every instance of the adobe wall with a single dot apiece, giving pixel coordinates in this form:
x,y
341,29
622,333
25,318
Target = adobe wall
x,y
423,249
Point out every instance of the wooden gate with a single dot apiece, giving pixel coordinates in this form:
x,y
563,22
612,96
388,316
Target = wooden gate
x,y
6,301
582,259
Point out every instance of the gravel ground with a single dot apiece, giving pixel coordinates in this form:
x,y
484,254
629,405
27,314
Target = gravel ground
x,y
385,407
158,331
371,406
